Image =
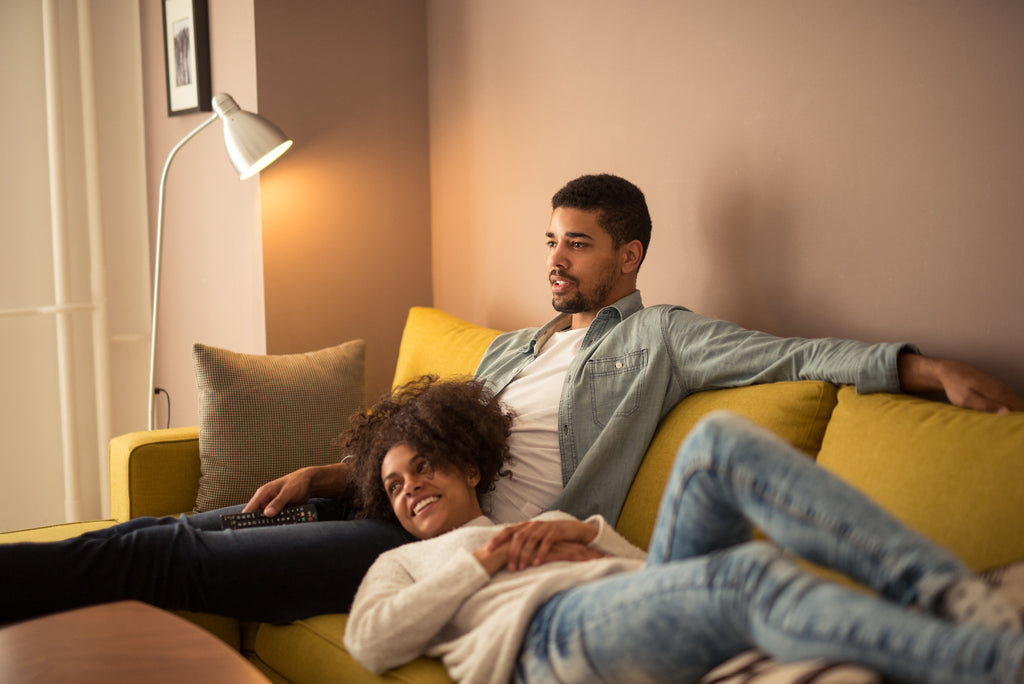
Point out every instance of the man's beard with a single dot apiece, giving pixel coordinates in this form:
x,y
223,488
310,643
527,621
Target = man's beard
x,y
580,301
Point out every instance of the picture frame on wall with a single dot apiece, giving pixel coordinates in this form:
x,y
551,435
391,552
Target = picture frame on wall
x,y
187,56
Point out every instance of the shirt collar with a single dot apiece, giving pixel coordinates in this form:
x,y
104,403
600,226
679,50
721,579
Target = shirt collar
x,y
623,308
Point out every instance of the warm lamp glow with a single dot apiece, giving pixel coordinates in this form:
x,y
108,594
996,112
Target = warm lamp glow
x,y
266,160
252,144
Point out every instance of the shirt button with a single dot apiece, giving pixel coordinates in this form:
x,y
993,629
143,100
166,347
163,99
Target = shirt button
x,y
618,364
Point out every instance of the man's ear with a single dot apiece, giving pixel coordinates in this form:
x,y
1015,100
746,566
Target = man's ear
x,y
632,253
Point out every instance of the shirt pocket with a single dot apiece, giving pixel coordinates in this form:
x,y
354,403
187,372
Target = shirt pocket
x,y
616,385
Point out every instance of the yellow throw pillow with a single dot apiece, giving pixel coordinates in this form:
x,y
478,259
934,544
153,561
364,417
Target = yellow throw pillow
x,y
796,411
438,343
955,475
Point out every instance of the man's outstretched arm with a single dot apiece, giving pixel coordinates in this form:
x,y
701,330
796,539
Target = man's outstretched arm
x,y
964,385
299,486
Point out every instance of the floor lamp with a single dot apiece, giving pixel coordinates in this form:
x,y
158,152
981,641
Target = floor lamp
x,y
252,143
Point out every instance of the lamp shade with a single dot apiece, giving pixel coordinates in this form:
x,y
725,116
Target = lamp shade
x,y
252,142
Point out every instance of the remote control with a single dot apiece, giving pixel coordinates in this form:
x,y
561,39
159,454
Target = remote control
x,y
287,516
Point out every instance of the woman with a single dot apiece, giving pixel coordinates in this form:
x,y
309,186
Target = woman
x,y
557,599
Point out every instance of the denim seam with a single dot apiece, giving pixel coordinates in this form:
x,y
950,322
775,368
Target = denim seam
x,y
864,546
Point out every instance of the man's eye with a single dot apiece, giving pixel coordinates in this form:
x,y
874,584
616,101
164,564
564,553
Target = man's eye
x,y
579,245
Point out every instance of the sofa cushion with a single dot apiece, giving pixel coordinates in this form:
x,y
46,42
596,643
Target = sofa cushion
x,y
58,532
227,629
435,342
796,411
261,417
952,474
311,650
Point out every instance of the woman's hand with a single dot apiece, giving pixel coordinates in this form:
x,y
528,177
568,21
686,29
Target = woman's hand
x,y
571,551
535,542
492,560
574,552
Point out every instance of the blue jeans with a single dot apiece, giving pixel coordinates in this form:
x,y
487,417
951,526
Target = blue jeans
x,y
272,574
708,592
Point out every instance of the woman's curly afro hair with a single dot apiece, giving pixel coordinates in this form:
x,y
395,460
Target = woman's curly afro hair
x,y
456,425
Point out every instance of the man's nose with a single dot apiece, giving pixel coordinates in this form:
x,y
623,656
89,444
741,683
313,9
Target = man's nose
x,y
557,257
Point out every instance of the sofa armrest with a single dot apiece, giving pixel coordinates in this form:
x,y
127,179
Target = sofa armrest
x,y
154,473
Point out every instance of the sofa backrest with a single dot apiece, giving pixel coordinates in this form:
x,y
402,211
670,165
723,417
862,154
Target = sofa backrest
x,y
798,412
954,475
437,343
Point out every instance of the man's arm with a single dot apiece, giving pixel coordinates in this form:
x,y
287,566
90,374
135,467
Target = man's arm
x,y
299,486
714,354
964,385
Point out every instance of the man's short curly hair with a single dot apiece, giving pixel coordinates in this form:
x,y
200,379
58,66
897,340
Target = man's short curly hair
x,y
621,206
459,425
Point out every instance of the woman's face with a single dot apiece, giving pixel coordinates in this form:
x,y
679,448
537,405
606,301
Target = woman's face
x,y
427,501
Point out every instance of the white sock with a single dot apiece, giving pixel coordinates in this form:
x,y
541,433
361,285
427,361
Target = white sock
x,y
973,601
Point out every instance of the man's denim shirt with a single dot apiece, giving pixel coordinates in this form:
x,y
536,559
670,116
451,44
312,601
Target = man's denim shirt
x,y
635,364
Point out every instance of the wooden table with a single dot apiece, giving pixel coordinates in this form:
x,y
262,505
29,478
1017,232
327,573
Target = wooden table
x,y
120,642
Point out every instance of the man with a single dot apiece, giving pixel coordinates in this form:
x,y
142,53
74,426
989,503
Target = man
x,y
589,389
588,409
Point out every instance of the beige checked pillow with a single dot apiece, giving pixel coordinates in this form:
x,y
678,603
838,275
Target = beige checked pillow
x,y
261,417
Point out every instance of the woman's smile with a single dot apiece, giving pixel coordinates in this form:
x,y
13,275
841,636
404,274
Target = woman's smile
x,y
428,499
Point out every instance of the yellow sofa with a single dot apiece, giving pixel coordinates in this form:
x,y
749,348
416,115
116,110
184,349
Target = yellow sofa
x,y
953,474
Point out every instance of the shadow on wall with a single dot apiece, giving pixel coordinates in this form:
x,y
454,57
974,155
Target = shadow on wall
x,y
753,244
747,241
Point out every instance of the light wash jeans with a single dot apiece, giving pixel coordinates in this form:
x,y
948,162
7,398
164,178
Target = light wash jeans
x,y
708,592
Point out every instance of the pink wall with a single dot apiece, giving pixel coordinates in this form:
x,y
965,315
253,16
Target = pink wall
x,y
813,168
346,226
212,282
332,242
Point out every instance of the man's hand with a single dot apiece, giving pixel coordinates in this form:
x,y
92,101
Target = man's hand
x,y
964,385
539,541
297,487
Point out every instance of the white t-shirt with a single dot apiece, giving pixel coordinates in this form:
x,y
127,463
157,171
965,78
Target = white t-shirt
x,y
534,395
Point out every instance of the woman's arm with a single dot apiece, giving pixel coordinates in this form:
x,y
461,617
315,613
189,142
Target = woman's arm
x,y
611,543
394,616
556,536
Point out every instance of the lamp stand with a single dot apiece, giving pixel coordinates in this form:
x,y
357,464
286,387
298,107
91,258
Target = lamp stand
x,y
251,143
157,258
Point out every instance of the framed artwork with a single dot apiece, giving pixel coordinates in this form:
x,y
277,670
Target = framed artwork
x,y
187,56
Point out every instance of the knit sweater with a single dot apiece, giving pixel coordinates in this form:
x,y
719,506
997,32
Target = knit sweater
x,y
434,598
